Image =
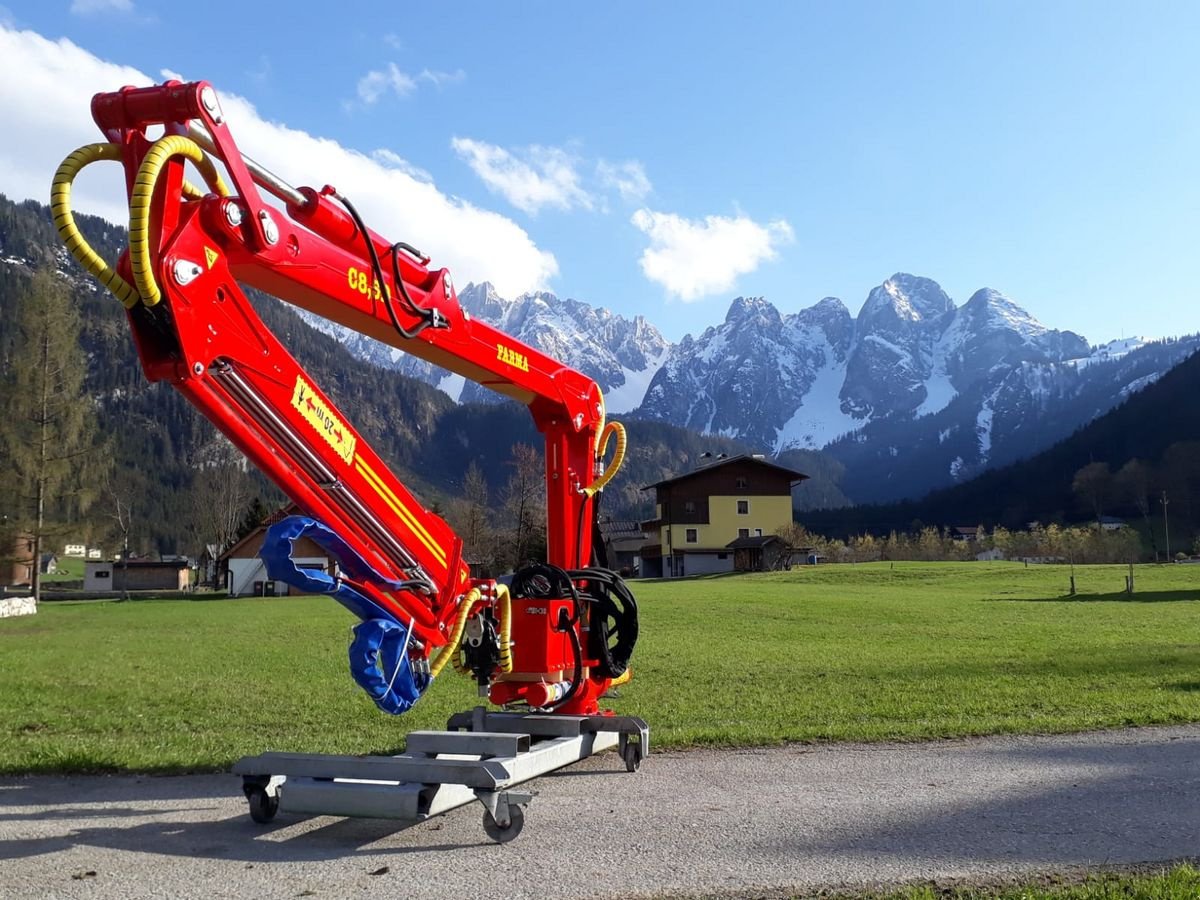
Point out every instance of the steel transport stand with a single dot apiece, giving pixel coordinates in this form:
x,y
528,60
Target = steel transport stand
x,y
481,756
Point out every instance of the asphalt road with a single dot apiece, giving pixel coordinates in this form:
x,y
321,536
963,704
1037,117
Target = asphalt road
x,y
708,822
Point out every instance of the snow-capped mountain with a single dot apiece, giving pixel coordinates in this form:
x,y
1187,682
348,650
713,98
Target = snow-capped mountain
x,y
913,393
621,355
804,379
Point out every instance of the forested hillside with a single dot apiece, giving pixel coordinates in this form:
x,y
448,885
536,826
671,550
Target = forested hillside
x,y
171,467
1122,464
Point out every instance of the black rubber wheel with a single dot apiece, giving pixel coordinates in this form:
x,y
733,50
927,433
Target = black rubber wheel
x,y
262,807
632,754
503,835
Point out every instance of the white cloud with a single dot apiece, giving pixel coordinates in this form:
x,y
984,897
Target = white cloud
x,y
90,7
378,82
171,75
45,91
694,258
441,79
395,161
541,176
627,178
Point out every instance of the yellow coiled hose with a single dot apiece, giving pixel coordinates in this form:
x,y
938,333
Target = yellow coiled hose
x,y
60,207
618,456
142,196
450,653
64,219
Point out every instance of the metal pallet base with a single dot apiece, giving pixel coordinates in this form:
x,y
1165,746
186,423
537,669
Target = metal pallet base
x,y
481,756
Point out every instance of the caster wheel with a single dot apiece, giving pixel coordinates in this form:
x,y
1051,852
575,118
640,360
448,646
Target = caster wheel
x,y
262,807
503,835
632,754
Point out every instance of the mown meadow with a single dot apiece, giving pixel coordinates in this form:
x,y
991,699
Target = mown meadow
x,y
878,651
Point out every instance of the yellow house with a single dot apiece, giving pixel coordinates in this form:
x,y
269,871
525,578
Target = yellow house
x,y
699,515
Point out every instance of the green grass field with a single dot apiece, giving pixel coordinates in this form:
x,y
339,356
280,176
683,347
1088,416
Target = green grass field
x,y
70,568
863,652
1179,883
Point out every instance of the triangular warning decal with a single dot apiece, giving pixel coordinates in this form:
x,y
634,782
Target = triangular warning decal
x,y
210,256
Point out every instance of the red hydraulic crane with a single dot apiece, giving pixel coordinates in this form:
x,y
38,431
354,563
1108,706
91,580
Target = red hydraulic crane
x,y
556,636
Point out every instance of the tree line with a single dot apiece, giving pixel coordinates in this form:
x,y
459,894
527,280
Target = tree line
x,y
1049,543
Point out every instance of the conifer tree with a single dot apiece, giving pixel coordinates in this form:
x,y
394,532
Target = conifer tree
x,y
49,434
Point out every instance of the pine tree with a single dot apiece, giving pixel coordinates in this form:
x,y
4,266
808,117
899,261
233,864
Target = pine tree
x,y
48,438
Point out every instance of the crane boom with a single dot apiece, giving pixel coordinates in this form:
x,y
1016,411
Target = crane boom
x,y
190,253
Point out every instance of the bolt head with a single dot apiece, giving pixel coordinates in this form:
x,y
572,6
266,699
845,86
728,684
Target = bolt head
x,y
233,214
208,97
270,229
198,368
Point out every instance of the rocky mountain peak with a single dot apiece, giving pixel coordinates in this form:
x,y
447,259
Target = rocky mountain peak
x,y
906,298
753,312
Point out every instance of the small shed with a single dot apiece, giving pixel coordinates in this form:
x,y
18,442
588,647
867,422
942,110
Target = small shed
x,y
49,564
759,553
135,575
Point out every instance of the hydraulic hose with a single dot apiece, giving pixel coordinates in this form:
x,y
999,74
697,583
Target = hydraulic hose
x,y
450,651
64,219
618,456
142,196
504,601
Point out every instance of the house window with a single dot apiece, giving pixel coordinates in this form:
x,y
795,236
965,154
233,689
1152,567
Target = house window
x,y
101,573
690,536
689,506
743,507
743,532
741,484
722,556
758,532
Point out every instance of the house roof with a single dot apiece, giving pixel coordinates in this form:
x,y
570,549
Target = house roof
x,y
278,516
619,530
756,542
740,458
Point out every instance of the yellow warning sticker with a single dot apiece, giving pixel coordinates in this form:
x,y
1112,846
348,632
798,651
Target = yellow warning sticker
x,y
315,411
210,256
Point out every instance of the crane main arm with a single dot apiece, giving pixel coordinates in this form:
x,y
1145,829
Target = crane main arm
x,y
558,635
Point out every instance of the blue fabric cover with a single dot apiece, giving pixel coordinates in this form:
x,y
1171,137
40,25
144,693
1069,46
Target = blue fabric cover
x,y
379,639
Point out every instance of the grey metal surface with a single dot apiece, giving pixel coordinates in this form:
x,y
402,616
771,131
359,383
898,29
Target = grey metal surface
x,y
480,743
486,774
706,822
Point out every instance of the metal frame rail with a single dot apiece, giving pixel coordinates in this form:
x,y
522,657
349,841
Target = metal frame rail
x,y
481,756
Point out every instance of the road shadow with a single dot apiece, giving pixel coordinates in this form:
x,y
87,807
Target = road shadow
x,y
290,838
1089,804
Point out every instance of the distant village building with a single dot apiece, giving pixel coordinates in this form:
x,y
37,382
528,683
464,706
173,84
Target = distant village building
x,y
1111,523
760,554
49,564
76,550
210,572
965,533
95,553
16,559
135,575
623,543
246,573
701,516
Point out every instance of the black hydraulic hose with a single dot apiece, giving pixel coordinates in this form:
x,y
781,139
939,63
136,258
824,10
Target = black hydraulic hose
x,y
384,293
565,624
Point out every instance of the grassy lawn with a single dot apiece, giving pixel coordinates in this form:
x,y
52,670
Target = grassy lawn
x,y
1180,883
69,568
862,652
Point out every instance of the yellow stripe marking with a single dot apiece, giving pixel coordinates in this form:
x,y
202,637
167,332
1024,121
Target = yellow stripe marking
x,y
414,524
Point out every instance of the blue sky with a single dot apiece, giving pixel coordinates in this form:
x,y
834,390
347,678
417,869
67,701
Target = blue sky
x,y
663,158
